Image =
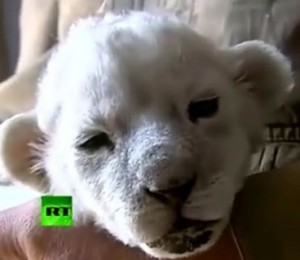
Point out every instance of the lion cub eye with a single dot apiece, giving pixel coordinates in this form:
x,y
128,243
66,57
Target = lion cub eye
x,y
205,108
96,142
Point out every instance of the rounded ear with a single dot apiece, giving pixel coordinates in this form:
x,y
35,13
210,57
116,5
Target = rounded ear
x,y
260,69
18,157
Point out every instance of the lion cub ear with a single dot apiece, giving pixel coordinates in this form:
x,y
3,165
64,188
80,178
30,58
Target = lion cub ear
x,y
17,155
262,71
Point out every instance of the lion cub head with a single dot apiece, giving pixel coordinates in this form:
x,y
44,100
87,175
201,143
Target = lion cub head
x,y
149,126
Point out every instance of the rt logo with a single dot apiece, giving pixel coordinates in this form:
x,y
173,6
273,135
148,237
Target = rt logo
x,y
56,211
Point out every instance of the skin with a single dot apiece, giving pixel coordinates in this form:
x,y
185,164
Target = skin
x,y
21,237
41,26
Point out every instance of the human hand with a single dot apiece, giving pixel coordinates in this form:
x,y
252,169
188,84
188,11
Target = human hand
x,y
22,238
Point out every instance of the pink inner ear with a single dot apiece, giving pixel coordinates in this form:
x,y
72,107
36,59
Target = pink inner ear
x,y
17,149
17,156
245,78
267,69
16,134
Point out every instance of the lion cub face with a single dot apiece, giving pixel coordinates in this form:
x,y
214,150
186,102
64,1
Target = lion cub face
x,y
150,127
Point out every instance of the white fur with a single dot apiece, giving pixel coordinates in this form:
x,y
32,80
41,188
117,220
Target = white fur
x,y
133,77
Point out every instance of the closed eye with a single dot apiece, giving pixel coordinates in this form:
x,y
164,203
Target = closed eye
x,y
203,108
100,140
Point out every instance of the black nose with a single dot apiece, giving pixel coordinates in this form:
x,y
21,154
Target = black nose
x,y
175,195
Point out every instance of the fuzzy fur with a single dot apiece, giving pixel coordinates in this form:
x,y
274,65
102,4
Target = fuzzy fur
x,y
133,76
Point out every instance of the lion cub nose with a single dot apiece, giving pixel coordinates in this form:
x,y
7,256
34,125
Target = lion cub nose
x,y
174,195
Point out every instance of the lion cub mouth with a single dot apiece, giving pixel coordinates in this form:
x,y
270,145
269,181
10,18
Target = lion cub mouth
x,y
185,236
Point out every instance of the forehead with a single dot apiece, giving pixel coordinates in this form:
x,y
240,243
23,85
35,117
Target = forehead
x,y
134,56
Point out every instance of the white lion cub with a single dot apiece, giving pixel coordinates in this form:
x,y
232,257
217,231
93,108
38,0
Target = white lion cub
x,y
149,126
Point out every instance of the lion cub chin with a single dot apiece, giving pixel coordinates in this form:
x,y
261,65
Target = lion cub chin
x,y
149,126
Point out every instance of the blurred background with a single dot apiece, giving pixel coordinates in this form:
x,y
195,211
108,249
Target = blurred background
x,y
9,36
